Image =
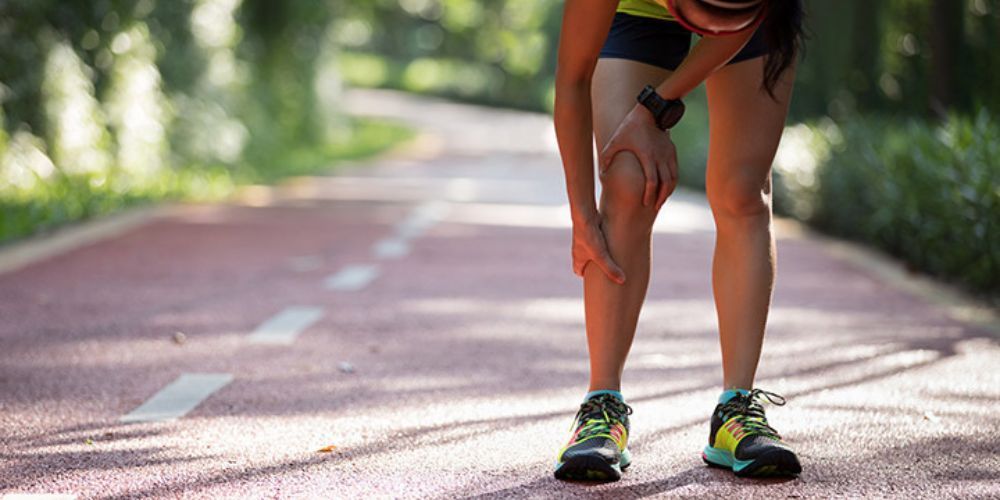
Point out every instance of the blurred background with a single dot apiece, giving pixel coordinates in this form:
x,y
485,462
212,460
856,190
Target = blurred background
x,y
893,138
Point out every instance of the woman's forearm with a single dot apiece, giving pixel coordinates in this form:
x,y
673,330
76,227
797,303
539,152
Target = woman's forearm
x,y
574,132
708,55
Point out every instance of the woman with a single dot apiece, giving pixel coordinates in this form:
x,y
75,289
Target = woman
x,y
610,50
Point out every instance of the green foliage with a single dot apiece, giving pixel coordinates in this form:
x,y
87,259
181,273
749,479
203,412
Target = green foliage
x,y
497,52
29,28
110,103
909,57
367,137
926,193
281,44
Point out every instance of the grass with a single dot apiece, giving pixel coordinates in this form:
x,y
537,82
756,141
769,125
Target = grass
x,y
63,199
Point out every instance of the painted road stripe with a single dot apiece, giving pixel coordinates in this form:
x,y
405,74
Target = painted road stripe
x,y
178,398
282,328
421,218
352,278
392,248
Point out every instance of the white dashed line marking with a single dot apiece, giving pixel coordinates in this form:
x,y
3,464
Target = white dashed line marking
x,y
392,248
352,278
282,328
419,220
177,399
422,218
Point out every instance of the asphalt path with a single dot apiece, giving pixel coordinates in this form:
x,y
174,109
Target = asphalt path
x,y
411,328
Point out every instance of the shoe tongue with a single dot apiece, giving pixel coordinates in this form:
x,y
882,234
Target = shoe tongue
x,y
736,405
602,403
748,412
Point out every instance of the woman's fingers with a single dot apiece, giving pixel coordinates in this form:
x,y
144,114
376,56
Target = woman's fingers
x,y
594,248
675,173
647,164
674,168
608,153
666,184
652,180
669,176
603,258
610,268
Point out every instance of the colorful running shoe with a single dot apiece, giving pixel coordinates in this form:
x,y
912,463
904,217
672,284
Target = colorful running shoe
x,y
742,441
598,448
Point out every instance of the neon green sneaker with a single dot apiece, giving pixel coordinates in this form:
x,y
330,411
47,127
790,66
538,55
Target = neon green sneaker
x,y
598,448
742,441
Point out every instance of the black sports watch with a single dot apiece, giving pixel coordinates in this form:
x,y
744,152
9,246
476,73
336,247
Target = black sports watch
x,y
666,112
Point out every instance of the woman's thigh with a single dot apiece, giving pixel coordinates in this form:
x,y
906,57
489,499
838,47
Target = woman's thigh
x,y
616,83
745,126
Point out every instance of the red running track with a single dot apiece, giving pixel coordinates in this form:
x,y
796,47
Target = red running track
x,y
455,371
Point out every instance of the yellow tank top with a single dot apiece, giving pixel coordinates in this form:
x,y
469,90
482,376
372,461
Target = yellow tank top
x,y
645,8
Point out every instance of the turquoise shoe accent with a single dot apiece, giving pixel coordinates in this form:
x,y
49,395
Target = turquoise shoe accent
x,y
723,458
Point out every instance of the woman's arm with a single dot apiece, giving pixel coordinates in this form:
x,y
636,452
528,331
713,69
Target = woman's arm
x,y
584,28
708,55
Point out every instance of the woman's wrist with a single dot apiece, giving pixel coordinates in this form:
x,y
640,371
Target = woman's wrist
x,y
645,117
666,89
643,114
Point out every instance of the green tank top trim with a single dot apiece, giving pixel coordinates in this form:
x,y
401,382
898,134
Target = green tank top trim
x,y
645,8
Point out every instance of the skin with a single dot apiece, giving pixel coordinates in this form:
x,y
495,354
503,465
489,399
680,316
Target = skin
x,y
638,171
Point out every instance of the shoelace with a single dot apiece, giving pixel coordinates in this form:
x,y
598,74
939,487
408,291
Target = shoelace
x,y
751,413
598,414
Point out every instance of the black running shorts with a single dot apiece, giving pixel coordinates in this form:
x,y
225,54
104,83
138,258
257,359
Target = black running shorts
x,y
661,43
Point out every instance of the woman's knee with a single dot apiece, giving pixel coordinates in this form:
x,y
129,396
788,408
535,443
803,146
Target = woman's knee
x,y
623,185
740,196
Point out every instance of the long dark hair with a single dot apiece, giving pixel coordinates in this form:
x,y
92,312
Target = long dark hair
x,y
784,35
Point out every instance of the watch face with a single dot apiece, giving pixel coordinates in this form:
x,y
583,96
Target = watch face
x,y
651,100
666,112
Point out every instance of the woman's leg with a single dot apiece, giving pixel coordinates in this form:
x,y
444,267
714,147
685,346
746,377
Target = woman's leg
x,y
612,310
745,126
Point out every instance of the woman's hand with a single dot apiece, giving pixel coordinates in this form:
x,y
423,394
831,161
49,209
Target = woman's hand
x,y
589,245
657,155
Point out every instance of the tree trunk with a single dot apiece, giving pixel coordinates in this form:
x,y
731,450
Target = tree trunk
x,y
867,35
946,46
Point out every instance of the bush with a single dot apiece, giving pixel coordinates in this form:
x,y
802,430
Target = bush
x,y
925,193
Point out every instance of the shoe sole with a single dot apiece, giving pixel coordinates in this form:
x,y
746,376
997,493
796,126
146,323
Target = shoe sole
x,y
775,463
592,468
